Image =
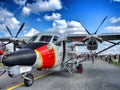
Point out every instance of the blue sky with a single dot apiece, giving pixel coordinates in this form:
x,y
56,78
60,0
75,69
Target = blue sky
x,y
87,12
59,15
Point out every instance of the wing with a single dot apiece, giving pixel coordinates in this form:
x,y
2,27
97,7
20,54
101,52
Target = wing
x,y
13,40
76,37
5,39
106,37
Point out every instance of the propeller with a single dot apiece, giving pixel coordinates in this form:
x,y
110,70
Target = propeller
x,y
99,39
19,30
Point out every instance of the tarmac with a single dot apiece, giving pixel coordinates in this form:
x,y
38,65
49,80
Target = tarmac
x,y
98,76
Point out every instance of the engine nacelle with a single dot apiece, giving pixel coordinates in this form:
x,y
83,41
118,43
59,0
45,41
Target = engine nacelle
x,y
15,71
92,45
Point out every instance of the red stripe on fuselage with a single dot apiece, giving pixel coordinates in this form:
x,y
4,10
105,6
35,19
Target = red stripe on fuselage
x,y
48,56
1,52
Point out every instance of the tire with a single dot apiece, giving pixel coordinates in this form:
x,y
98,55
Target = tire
x,y
79,68
28,83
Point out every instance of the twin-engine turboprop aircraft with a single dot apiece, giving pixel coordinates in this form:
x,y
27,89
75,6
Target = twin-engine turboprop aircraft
x,y
44,51
50,51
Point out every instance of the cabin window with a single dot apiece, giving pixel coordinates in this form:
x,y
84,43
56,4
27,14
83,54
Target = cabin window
x,y
45,38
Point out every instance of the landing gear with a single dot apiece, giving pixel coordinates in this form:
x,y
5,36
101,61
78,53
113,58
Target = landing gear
x,y
28,79
79,68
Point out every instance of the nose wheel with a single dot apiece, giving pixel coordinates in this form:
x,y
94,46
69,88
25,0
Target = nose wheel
x,y
28,80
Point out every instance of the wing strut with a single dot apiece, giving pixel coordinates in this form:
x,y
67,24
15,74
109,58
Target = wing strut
x,y
101,51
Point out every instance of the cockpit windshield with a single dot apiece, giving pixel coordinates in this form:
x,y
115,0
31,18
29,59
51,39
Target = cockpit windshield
x,y
33,39
45,38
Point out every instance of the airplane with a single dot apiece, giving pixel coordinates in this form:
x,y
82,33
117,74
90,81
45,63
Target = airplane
x,y
51,51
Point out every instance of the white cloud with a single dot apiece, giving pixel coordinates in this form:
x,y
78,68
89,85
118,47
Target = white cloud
x,y
116,0
115,20
31,32
20,2
113,28
7,18
113,50
62,26
106,43
38,19
12,22
41,6
54,16
74,24
26,11
4,13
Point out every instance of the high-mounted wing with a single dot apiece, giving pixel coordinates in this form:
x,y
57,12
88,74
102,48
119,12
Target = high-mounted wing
x,y
4,39
106,37
76,37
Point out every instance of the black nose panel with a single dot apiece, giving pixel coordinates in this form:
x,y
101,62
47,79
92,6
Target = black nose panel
x,y
22,57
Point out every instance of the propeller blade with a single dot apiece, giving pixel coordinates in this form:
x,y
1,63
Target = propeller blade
x,y
14,48
7,43
20,29
86,30
100,25
9,31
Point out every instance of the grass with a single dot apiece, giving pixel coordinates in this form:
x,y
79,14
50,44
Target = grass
x,y
1,66
115,63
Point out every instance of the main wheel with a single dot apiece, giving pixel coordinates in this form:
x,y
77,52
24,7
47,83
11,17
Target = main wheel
x,y
28,82
79,68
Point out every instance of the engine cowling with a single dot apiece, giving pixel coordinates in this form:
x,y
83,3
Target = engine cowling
x,y
92,45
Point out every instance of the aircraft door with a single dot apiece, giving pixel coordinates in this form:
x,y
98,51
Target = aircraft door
x,y
58,49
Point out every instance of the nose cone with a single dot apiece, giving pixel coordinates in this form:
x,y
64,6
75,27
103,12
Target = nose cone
x,y
22,57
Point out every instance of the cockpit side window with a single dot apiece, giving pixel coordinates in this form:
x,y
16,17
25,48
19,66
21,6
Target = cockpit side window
x,y
55,39
45,38
33,39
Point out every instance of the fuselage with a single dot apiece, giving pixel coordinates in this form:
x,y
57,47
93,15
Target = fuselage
x,y
41,52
